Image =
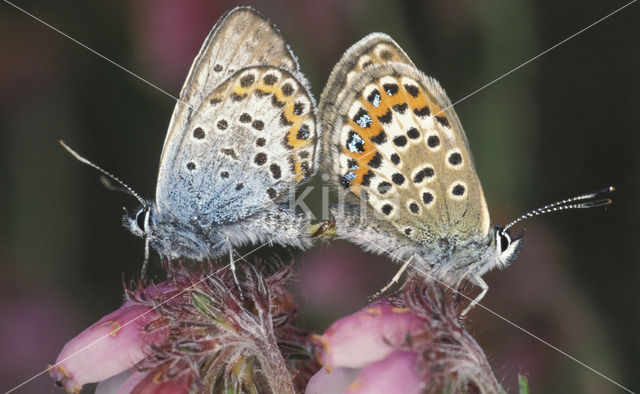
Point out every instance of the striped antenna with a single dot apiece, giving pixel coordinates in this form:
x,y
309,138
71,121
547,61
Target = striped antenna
x,y
577,202
81,159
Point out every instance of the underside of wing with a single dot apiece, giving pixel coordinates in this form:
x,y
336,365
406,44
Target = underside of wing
x,y
374,49
251,139
241,38
392,138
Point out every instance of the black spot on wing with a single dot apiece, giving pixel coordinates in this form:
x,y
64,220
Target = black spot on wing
x,y
412,90
287,89
427,198
276,171
455,159
303,132
276,103
386,118
400,140
395,158
423,174
443,120
374,98
400,108
376,161
258,125
458,190
284,121
362,118
384,187
222,124
379,138
366,178
238,97
397,178
247,80
386,55
390,88
229,152
422,112
260,158
433,141
270,79
198,133
355,143
413,133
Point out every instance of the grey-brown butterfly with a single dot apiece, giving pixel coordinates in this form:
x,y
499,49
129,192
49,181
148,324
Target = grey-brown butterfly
x,y
393,142
242,135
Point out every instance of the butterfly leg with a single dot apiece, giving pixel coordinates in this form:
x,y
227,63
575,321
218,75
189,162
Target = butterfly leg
x,y
143,272
393,281
478,281
233,269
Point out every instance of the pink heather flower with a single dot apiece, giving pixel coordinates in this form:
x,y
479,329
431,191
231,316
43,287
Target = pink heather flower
x,y
110,346
408,345
398,371
199,335
366,336
144,383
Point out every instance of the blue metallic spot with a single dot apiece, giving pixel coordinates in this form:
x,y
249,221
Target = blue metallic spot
x,y
376,100
355,143
350,176
364,121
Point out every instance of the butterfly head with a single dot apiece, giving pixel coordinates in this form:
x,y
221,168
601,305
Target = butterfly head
x,y
175,238
505,246
140,223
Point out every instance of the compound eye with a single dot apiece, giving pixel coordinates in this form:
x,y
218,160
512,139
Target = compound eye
x,y
141,217
505,241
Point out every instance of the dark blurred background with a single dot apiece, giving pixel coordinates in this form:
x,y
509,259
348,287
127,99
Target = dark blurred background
x,y
566,123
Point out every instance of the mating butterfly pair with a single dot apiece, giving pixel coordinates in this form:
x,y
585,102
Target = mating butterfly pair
x,y
245,132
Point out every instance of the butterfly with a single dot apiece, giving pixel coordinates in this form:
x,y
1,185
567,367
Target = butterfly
x,y
242,134
393,142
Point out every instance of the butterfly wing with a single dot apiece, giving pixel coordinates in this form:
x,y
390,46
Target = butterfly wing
x,y
392,137
248,132
376,48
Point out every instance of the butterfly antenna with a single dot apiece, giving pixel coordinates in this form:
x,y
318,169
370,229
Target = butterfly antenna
x,y
577,202
125,187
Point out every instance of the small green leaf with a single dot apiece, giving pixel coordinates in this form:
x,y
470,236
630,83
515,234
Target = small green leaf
x,y
203,303
523,384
